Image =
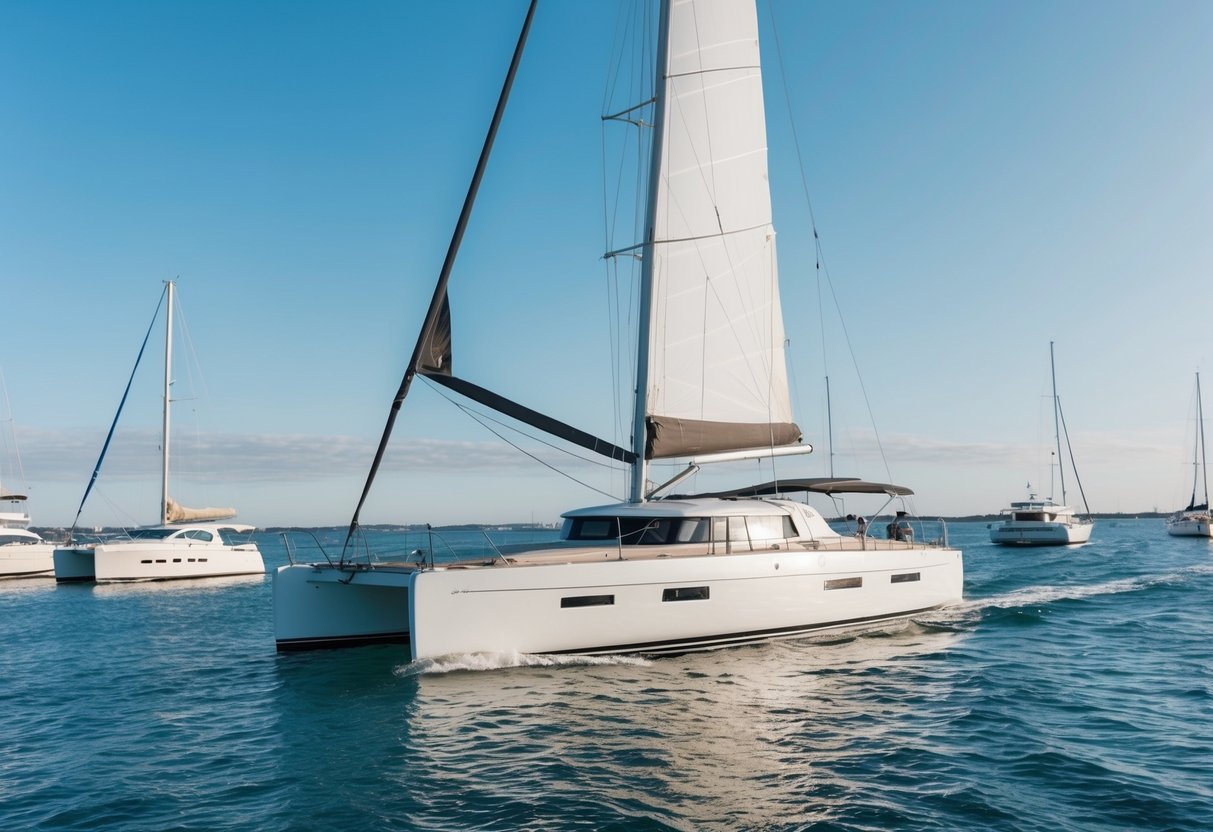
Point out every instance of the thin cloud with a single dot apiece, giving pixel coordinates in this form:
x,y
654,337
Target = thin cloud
x,y
67,456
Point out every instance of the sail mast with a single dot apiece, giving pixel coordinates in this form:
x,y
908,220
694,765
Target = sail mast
x,y
1200,420
168,378
439,300
1061,468
639,429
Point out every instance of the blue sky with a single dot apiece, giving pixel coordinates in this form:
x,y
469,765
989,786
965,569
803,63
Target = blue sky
x,y
985,177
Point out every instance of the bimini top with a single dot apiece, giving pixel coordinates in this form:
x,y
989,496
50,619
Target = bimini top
x,y
681,507
816,485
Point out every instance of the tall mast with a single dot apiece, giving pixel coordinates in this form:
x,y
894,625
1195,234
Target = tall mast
x,y
1200,419
639,434
1061,467
168,378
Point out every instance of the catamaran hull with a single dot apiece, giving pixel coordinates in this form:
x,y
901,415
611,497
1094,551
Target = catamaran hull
x,y
648,606
321,606
26,560
1040,534
118,562
74,565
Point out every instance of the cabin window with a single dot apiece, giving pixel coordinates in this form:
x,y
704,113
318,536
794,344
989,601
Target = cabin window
x,y
637,531
767,528
844,583
685,593
234,537
199,534
150,534
587,601
905,577
694,530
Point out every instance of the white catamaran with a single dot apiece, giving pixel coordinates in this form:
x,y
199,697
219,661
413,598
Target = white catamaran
x,y
186,543
654,575
1195,520
1042,522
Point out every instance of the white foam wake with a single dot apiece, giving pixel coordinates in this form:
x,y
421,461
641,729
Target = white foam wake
x,y
499,661
1034,596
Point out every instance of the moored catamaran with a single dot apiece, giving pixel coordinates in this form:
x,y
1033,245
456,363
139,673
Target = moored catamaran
x,y
654,574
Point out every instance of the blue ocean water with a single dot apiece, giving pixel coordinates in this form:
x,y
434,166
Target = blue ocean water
x,y
1072,690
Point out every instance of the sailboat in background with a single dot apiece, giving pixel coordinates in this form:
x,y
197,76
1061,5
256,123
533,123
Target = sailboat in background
x,y
186,543
653,574
1195,520
1042,522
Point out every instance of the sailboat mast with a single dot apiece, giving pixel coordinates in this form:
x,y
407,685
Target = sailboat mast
x,y
639,429
1061,467
1200,419
168,378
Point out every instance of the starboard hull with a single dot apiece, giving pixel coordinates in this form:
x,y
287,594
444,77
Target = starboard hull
x,y
644,606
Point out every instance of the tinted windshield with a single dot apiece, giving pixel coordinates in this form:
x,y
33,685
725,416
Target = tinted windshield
x,y
639,531
150,534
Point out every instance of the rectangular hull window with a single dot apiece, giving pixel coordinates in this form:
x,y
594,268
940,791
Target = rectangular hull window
x,y
844,583
905,577
587,601
685,593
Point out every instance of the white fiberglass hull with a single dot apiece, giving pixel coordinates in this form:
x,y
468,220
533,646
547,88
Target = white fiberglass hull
x,y
646,606
26,560
1033,533
139,561
1190,526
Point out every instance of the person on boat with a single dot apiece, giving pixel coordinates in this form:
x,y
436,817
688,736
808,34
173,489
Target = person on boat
x,y
899,528
862,526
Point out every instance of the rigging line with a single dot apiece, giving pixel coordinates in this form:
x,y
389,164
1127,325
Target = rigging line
x,y
482,420
468,409
720,235
438,301
823,268
1070,449
105,446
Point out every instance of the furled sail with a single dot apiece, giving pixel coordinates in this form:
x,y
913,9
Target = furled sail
x,y
717,377
176,513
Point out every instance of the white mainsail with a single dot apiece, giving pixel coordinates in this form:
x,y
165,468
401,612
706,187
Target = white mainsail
x,y
717,375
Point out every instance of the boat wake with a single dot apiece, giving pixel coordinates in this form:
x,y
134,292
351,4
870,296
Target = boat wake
x,y
967,613
499,661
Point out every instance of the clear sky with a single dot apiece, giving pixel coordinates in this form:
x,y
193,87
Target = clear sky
x,y
985,177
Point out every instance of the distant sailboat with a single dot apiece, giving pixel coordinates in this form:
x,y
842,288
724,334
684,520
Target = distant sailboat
x,y
1195,520
186,544
1043,522
655,575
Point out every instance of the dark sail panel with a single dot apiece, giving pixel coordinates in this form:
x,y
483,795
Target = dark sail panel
x,y
670,437
434,354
